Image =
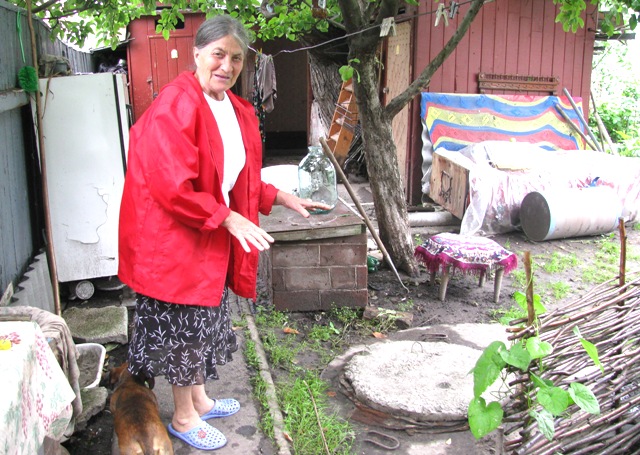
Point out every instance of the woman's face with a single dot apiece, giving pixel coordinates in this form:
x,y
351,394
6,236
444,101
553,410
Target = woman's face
x,y
218,65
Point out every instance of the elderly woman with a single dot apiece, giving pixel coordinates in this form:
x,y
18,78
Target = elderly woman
x,y
189,227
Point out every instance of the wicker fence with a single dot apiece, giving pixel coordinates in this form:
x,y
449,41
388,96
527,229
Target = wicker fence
x,y
609,317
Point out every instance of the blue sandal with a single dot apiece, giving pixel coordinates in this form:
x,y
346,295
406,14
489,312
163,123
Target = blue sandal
x,y
203,437
222,408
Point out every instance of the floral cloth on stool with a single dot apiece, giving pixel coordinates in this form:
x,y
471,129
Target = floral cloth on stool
x,y
449,252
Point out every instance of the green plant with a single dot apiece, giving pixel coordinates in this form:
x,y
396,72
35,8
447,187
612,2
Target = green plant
x,y
505,316
519,279
323,332
345,315
347,71
280,351
405,305
559,262
559,289
267,317
306,418
526,355
259,387
417,239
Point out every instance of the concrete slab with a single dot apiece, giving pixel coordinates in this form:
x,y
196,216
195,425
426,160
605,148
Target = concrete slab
x,y
424,381
98,325
414,437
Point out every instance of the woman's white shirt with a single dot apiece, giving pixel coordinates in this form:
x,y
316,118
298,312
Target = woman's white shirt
x,y
235,156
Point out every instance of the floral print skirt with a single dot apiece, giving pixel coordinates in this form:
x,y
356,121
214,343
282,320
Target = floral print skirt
x,y
182,342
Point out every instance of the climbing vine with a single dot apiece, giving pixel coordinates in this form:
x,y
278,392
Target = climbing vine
x,y
527,355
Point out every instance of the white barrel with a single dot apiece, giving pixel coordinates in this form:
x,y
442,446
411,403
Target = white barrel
x,y
571,212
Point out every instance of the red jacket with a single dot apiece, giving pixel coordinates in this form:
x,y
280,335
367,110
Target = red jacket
x,y
171,244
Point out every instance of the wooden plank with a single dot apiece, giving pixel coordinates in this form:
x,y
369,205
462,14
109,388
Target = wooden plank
x,y
286,225
450,181
12,99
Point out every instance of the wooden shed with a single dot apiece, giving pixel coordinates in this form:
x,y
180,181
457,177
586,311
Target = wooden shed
x,y
512,47
154,61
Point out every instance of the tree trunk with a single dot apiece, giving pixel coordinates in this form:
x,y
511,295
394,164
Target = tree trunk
x,y
382,167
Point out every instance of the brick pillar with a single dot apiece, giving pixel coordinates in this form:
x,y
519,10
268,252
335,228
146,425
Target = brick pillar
x,y
311,275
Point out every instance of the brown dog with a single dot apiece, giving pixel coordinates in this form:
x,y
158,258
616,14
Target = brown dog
x,y
137,422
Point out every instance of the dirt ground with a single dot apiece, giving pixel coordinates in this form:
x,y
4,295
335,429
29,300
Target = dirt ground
x,y
563,271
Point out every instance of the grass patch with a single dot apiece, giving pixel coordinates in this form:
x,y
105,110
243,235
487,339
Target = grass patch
x,y
300,399
259,387
559,290
302,388
559,262
506,315
519,279
323,332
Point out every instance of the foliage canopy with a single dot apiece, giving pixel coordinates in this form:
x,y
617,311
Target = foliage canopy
x,y
76,20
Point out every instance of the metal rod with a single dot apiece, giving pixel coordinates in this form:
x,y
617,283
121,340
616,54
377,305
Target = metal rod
x,y
573,125
327,151
581,117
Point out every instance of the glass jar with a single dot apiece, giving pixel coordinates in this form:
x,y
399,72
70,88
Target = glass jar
x,y
317,179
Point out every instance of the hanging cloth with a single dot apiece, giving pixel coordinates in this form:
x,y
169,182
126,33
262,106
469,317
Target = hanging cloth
x,y
266,82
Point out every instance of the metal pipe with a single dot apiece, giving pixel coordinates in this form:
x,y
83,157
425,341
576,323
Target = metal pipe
x,y
581,117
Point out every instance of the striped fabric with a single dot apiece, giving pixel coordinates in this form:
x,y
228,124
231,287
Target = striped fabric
x,y
454,121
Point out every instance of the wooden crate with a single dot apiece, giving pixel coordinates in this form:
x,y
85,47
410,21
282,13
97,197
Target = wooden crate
x,y
450,181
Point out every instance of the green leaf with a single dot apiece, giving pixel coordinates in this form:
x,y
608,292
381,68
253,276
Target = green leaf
x,y
483,418
592,350
554,399
488,367
517,356
521,300
539,382
538,348
545,423
584,398
346,72
538,307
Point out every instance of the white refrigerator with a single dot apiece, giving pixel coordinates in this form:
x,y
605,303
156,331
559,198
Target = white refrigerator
x,y
85,126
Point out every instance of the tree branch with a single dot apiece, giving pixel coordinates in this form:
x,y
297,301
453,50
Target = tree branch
x,y
422,81
44,6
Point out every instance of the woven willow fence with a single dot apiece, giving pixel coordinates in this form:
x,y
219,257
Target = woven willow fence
x,y
609,317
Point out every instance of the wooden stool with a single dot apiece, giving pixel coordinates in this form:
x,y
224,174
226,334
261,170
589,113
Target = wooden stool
x,y
470,254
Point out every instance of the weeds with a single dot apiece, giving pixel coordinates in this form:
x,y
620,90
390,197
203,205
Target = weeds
x,y
559,262
560,290
505,316
259,387
302,393
302,398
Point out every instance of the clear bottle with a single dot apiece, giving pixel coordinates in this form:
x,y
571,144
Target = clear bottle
x,y
317,179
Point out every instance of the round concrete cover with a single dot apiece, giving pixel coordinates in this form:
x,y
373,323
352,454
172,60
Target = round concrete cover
x,y
421,380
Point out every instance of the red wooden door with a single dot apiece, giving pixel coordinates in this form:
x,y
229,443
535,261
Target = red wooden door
x,y
154,61
168,59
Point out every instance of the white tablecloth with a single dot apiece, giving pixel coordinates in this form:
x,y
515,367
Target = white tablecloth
x,y
35,395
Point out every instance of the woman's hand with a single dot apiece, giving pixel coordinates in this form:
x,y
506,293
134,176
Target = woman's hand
x,y
297,204
247,233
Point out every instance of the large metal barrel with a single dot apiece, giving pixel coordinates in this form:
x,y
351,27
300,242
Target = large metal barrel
x,y
571,212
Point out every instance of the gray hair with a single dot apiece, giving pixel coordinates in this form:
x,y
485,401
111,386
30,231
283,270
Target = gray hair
x,y
220,26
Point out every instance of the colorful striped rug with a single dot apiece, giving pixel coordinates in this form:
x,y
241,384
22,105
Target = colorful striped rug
x,y
454,121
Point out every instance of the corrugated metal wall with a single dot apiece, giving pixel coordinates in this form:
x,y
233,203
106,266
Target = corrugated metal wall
x,y
19,230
